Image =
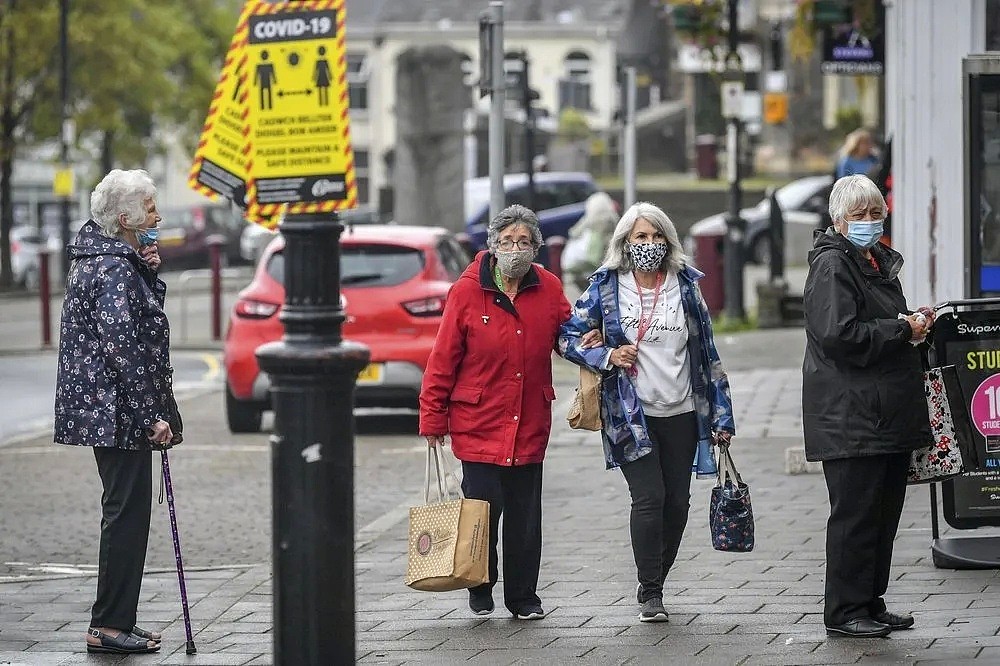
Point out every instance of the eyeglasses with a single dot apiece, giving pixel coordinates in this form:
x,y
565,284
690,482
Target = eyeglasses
x,y
507,244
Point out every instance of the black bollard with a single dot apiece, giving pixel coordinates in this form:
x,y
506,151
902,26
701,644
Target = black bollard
x,y
313,374
776,233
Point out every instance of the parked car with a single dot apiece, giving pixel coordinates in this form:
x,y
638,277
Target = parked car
x,y
804,203
254,238
394,280
559,202
184,233
25,245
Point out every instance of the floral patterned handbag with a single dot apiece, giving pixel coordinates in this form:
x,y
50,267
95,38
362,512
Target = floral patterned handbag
x,y
953,448
730,515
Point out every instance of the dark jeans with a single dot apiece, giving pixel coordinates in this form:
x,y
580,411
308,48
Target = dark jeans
x,y
125,505
866,500
515,492
660,484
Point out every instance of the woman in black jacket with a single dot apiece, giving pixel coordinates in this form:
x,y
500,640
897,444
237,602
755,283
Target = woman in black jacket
x,y
113,389
863,406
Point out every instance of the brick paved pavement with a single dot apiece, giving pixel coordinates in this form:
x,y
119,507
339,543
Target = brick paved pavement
x,y
762,607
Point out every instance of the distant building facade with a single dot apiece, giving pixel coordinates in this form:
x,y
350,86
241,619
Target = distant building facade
x,y
575,58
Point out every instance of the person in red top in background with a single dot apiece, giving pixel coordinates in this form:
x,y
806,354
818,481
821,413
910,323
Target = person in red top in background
x,y
488,384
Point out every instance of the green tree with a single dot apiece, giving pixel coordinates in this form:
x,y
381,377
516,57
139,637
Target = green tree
x,y
135,65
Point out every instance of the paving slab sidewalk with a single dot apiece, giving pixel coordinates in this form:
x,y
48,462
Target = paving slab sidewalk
x,y
763,607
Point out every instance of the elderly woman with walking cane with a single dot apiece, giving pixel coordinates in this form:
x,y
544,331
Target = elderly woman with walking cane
x,y
114,389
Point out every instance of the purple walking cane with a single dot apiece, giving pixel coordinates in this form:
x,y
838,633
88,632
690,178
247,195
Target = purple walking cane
x,y
191,649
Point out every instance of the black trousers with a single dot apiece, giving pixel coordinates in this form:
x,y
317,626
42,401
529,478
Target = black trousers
x,y
660,485
125,505
866,500
515,492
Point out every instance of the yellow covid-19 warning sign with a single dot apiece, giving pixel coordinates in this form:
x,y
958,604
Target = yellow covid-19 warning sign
x,y
278,132
299,143
219,166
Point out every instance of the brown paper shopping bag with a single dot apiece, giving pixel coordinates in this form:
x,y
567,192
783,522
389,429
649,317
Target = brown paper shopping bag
x,y
585,412
449,539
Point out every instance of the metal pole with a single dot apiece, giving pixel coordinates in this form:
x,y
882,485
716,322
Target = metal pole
x,y
629,136
64,142
529,132
735,231
45,293
313,373
777,239
215,243
497,101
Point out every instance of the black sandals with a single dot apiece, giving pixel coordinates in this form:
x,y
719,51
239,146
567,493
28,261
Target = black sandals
x,y
146,634
123,643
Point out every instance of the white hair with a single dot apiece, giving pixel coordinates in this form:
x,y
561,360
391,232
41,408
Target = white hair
x,y
121,192
617,258
853,192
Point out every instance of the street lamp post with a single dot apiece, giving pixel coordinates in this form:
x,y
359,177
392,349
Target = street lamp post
x,y
735,225
529,126
64,129
313,373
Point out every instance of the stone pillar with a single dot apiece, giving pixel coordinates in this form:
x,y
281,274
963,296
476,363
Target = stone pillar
x,y
429,172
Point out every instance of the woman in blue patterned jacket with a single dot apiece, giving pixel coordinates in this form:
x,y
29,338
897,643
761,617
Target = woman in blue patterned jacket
x,y
113,390
664,394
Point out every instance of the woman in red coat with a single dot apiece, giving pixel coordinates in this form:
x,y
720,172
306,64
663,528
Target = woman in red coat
x,y
488,384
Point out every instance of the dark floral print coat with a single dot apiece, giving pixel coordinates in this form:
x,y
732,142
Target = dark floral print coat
x,y
114,378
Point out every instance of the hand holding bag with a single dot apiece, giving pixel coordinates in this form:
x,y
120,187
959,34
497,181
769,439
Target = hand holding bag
x,y
585,412
953,447
449,539
730,515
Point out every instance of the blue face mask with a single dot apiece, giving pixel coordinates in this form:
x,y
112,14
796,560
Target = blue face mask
x,y
147,236
864,234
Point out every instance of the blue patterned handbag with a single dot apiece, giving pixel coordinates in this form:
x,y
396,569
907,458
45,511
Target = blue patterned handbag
x,y
730,516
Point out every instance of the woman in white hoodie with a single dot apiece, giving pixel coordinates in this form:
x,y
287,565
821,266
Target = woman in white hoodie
x,y
664,393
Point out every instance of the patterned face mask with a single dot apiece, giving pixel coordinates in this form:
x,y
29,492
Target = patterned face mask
x,y
647,257
515,264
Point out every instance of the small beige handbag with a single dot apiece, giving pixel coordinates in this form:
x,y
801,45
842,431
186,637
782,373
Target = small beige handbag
x,y
585,412
449,539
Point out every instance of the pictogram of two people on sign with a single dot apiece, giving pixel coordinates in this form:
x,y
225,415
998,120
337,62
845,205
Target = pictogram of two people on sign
x,y
265,78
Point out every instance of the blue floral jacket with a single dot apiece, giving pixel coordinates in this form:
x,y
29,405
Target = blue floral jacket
x,y
114,378
625,435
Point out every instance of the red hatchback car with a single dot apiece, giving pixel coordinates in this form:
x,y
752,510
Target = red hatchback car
x,y
394,280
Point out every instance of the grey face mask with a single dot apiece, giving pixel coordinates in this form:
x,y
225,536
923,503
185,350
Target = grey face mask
x,y
514,264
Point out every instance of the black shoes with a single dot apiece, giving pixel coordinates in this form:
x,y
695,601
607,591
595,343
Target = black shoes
x,y
530,612
652,610
893,620
860,627
481,601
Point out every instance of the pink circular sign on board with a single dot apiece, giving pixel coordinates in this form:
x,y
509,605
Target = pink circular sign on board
x,y
985,407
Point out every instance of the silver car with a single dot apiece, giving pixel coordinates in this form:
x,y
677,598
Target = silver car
x,y
26,244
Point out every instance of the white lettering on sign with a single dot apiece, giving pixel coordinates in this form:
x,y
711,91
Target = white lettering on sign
x,y
322,187
966,329
283,28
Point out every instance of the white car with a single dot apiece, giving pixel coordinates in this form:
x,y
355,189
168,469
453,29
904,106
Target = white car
x,y
803,203
25,245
